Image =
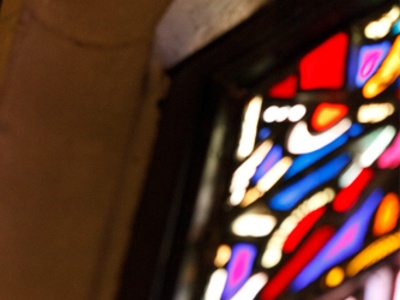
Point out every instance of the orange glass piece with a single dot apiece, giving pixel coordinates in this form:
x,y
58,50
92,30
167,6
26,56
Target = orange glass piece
x,y
328,114
373,253
386,74
387,215
285,89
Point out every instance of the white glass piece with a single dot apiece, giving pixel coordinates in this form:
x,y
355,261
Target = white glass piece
x,y
249,128
378,285
253,225
297,112
251,288
301,141
216,285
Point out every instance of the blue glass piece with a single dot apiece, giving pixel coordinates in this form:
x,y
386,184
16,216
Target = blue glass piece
x,y
397,82
264,133
346,242
303,161
239,268
352,66
355,130
371,56
273,156
396,28
290,196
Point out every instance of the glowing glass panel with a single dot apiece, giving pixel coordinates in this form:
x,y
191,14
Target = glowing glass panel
x,y
285,89
273,156
249,128
316,163
241,177
374,253
348,196
375,112
328,114
303,161
396,295
267,181
323,67
355,130
284,113
391,157
274,174
379,285
381,27
223,256
387,215
253,225
371,56
282,280
347,241
264,133
273,251
251,288
377,29
291,195
334,277
302,229
377,147
371,146
239,268
215,285
297,112
301,141
396,27
386,74
349,175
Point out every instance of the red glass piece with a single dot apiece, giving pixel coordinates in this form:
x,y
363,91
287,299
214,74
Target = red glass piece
x,y
289,271
328,114
348,196
324,67
284,89
301,229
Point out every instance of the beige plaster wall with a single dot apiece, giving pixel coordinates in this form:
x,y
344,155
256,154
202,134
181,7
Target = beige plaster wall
x,y
77,122
189,25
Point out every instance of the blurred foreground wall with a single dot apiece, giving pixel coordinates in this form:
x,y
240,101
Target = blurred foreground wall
x,y
77,121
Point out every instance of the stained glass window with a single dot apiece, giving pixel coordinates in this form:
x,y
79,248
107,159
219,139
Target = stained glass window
x,y
313,204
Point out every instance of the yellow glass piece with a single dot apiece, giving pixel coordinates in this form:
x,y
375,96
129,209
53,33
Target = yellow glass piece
x,y
267,181
223,255
387,215
334,277
386,74
372,254
251,196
